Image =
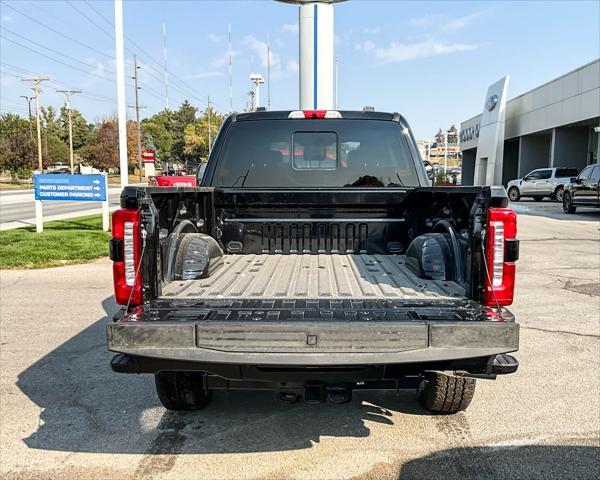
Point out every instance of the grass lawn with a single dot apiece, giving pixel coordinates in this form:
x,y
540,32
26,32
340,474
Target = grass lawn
x,y
62,242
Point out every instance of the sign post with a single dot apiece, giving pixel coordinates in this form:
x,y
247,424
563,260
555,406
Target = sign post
x,y
148,158
64,187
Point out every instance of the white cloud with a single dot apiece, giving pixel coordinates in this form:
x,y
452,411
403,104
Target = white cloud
x,y
214,38
7,19
290,27
222,60
444,22
292,66
372,31
204,75
260,48
402,52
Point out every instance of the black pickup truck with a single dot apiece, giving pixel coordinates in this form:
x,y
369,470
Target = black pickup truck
x,y
314,259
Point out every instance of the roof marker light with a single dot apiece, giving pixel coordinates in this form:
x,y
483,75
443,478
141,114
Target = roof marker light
x,y
315,114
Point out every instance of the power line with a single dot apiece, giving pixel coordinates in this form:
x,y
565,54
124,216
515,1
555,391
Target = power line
x,y
55,60
59,33
54,51
110,35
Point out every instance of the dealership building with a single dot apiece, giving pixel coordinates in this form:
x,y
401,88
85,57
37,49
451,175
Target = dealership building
x,y
553,125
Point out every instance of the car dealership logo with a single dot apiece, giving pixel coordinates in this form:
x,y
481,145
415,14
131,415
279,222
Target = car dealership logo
x,y
491,102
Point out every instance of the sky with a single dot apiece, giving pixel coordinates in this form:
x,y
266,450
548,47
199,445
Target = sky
x,y
431,61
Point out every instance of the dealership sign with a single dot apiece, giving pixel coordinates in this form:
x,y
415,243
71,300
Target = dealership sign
x,y
469,134
148,156
70,188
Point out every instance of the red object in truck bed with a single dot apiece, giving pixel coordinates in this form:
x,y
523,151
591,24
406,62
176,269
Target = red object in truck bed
x,y
173,181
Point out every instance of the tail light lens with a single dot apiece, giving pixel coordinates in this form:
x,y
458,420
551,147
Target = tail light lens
x,y
501,253
126,251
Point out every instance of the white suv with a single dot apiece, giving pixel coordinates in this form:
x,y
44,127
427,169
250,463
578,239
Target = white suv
x,y
540,183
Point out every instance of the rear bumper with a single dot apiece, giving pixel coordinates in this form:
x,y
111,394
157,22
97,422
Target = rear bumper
x,y
315,344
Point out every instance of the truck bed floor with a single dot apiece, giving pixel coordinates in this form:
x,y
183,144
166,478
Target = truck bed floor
x,y
313,276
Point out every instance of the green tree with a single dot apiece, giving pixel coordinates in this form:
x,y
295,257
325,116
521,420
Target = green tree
x,y
51,124
184,116
17,148
102,151
196,135
159,128
82,130
54,151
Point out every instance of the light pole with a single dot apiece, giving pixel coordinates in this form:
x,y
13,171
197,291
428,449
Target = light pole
x,y
29,99
257,80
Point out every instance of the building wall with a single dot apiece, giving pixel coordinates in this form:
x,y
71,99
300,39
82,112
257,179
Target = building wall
x,y
534,152
569,147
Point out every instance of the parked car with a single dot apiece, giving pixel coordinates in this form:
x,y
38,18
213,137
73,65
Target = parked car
x,y
584,191
172,181
314,273
540,183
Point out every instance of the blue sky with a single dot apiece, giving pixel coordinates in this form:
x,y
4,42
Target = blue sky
x,y
431,60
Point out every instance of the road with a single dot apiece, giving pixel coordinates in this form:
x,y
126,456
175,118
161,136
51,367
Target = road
x,y
17,209
64,414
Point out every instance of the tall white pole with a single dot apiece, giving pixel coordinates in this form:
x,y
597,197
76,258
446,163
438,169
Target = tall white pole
x,y
166,71
337,72
230,75
122,113
257,97
268,73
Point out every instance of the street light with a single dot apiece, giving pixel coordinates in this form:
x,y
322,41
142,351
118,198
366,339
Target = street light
x,y
257,80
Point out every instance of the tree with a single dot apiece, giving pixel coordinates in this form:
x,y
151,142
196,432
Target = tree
x,y
452,134
103,150
82,131
17,148
54,151
196,135
132,146
159,127
184,116
439,137
52,125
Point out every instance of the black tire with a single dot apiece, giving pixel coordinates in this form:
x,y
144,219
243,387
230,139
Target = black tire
x,y
513,194
538,198
558,193
567,202
181,390
445,394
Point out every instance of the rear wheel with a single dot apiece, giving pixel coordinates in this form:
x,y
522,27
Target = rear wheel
x,y
446,394
567,202
538,198
181,390
558,193
513,194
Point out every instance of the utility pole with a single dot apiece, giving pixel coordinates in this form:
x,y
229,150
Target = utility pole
x,y
29,99
68,94
209,135
36,88
121,105
137,115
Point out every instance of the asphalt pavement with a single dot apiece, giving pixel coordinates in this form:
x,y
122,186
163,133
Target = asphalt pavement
x,y
64,414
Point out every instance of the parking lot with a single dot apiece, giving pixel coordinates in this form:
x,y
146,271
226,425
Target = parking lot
x,y
64,414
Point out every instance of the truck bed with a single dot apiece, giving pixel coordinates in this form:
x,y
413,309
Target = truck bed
x,y
314,277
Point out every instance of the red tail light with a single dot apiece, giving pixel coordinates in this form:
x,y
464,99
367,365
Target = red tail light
x,y
126,251
501,252
314,113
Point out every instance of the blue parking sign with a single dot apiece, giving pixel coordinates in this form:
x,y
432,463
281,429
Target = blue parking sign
x,y
79,188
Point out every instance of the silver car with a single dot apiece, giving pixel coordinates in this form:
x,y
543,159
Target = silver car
x,y
540,183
